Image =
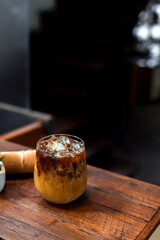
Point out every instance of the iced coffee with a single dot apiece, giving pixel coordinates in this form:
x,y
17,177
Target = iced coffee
x,y
60,172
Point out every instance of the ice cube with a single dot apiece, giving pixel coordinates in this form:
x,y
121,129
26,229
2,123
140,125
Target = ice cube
x,y
75,147
56,146
65,140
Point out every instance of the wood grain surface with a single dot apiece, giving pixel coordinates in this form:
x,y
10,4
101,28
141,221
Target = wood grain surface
x,y
113,207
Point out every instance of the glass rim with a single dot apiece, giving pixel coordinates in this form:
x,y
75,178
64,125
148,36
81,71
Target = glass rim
x,y
47,137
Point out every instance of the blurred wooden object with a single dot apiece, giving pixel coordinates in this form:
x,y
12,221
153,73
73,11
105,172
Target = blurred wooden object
x,y
27,135
10,146
24,126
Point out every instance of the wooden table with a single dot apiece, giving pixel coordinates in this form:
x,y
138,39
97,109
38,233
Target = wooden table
x,y
113,207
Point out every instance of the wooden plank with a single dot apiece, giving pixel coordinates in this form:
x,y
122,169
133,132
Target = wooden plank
x,y
150,227
35,224
27,135
138,191
84,214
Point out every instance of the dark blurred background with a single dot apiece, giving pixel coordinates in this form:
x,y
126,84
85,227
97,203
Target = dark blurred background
x,y
83,71
80,70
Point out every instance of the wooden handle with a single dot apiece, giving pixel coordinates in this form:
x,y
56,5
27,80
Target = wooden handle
x,y
19,161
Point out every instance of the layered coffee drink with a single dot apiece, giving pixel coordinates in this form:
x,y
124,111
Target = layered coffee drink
x,y
60,172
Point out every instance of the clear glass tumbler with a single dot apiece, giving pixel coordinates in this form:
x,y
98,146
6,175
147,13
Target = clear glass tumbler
x,y
60,171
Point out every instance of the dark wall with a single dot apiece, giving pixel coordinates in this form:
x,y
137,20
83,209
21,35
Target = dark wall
x,y
79,60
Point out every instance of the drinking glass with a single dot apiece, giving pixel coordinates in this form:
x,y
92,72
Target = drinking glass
x,y
60,171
